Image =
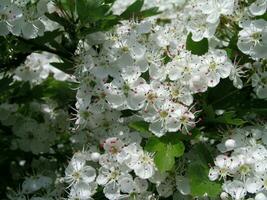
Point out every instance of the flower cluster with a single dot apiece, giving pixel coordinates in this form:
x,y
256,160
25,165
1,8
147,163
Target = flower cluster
x,y
123,170
31,135
243,164
37,68
115,165
142,91
118,74
22,18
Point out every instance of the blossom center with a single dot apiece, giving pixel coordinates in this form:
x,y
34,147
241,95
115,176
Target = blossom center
x,y
85,114
256,36
175,92
151,97
213,66
244,170
114,175
163,114
146,159
126,88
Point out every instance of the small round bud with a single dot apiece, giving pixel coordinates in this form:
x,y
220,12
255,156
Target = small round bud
x,y
224,196
95,156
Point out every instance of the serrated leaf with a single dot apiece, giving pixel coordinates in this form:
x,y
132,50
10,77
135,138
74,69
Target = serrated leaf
x,y
166,149
164,161
200,183
90,11
197,48
177,149
133,8
154,145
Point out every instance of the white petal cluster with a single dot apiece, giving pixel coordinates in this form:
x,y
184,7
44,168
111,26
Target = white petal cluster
x,y
252,39
258,7
22,18
112,171
130,73
204,16
259,79
37,68
243,166
30,135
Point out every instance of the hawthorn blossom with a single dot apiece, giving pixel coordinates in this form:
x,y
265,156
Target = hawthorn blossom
x,y
252,39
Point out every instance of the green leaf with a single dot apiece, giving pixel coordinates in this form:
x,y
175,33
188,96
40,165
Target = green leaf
x,y
90,11
164,161
141,127
154,145
148,13
82,9
47,37
228,117
5,85
200,183
200,158
66,66
197,48
56,18
110,1
166,149
132,9
68,5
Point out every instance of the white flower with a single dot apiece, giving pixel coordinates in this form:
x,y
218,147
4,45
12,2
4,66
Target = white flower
x,y
214,173
30,25
253,184
127,91
110,179
259,82
226,165
261,196
258,7
30,185
37,68
180,93
215,8
103,65
126,44
216,65
244,170
236,74
165,118
113,145
32,136
182,67
83,191
252,40
200,28
158,92
235,188
8,13
77,172
142,163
